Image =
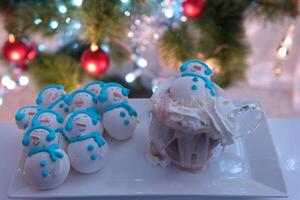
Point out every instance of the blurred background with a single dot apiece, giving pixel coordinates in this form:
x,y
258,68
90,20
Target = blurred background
x,y
252,45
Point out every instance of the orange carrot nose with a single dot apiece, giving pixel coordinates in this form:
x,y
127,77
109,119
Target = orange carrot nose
x,y
44,120
31,113
197,67
117,94
81,124
78,102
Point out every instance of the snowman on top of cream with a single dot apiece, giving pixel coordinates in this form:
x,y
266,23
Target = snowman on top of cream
x,y
87,149
81,100
49,94
119,118
24,116
194,82
53,120
47,165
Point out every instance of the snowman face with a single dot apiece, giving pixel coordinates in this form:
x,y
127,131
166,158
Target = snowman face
x,y
196,68
82,101
49,120
115,95
82,124
94,88
51,95
26,120
38,138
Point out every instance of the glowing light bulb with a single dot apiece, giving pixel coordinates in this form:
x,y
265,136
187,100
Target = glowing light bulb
x,y
68,19
183,18
282,52
124,1
169,12
53,24
142,62
130,77
130,34
11,38
94,47
5,80
77,2
23,80
15,55
288,41
277,70
127,13
156,36
62,9
11,85
37,21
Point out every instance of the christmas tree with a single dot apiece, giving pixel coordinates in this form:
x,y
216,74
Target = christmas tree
x,y
96,34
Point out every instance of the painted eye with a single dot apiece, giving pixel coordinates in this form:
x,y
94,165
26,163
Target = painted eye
x,y
36,143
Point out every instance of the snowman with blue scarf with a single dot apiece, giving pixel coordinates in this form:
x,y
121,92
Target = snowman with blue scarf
x,y
194,83
47,165
87,149
119,118
95,87
53,120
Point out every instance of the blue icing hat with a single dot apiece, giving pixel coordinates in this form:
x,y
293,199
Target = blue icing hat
x,y
103,95
20,113
26,136
69,98
35,121
207,70
93,115
94,83
39,98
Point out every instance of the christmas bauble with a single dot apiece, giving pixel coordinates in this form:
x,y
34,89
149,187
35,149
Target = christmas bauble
x,y
15,51
193,8
95,62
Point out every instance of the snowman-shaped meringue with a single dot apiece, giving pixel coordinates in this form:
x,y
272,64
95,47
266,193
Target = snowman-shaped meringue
x,y
49,94
60,106
87,149
24,116
53,120
47,165
194,82
119,118
95,87
81,100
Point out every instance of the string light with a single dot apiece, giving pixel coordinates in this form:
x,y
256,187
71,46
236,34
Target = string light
x,y
62,8
142,62
130,34
77,2
23,80
125,1
183,18
37,21
277,70
94,47
127,13
282,52
130,77
68,19
53,24
156,36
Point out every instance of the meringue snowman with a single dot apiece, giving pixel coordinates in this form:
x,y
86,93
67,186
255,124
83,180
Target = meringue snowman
x,y
194,83
81,100
53,120
87,149
60,106
119,118
24,116
47,165
94,87
49,94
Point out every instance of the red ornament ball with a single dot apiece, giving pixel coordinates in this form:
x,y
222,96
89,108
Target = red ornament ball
x,y
15,51
193,8
95,62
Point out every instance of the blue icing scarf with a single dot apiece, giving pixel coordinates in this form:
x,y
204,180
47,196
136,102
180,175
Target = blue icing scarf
x,y
208,84
123,104
51,150
94,135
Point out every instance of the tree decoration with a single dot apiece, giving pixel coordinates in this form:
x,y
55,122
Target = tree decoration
x,y
95,61
193,8
14,50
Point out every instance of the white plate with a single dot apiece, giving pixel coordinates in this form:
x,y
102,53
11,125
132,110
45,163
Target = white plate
x,y
250,167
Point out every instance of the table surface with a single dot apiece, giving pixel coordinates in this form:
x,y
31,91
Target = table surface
x,y
285,133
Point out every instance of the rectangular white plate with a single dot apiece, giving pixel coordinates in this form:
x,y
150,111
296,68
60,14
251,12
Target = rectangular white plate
x,y
250,167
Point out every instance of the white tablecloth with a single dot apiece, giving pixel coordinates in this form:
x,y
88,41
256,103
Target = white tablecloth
x,y
285,133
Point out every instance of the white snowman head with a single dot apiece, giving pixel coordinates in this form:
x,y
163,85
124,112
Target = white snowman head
x,y
94,87
196,67
49,94
24,116
39,136
112,93
81,99
82,122
48,118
